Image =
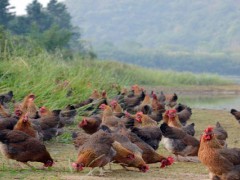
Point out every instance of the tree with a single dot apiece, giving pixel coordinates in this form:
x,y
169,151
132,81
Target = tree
x,y
56,38
5,14
37,15
60,17
20,25
59,14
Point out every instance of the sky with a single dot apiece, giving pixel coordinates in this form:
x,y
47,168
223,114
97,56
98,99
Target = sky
x,y
20,5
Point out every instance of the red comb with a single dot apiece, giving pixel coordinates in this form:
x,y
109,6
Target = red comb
x,y
167,162
167,112
102,106
113,102
172,111
154,96
42,108
208,130
140,113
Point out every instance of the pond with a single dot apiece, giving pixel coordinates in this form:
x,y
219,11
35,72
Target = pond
x,y
213,101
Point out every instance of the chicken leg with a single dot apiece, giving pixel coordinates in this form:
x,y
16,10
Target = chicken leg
x,y
90,173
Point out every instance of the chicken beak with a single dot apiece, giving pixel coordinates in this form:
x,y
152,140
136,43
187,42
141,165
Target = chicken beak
x,y
144,168
138,120
78,167
167,162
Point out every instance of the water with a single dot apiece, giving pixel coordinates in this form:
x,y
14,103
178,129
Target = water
x,y
213,101
235,79
228,101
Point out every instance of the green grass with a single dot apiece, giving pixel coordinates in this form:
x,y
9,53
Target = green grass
x,y
45,74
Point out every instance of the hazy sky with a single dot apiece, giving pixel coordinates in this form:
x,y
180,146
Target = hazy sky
x,y
20,5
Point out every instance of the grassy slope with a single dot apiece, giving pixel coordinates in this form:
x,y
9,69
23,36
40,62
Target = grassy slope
x,y
45,74
64,154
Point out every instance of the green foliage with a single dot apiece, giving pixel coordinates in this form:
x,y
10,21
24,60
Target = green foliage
x,y
48,28
55,37
13,46
5,14
59,14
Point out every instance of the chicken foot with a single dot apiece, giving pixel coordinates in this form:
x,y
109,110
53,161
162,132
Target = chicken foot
x,y
124,167
105,170
29,165
101,171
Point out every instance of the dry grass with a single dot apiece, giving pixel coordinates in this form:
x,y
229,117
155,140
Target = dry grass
x,y
64,154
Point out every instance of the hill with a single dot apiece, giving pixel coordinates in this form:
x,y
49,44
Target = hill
x,y
163,34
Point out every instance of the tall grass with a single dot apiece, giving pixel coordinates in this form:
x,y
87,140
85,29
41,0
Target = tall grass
x,y
50,77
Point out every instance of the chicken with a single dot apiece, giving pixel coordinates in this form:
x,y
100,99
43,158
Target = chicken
x,y
156,115
171,100
170,117
150,135
143,120
94,96
220,134
128,120
236,114
8,123
108,117
25,126
49,118
158,108
7,97
121,94
117,109
137,161
79,138
162,97
131,102
149,155
189,129
123,155
95,105
28,106
21,147
136,89
67,115
96,152
222,163
17,111
49,123
146,105
4,112
157,105
179,142
184,113
90,124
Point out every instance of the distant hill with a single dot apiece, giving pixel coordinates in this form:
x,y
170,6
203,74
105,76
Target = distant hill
x,y
157,33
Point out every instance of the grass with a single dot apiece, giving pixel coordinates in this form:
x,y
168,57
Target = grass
x,y
64,154
50,77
